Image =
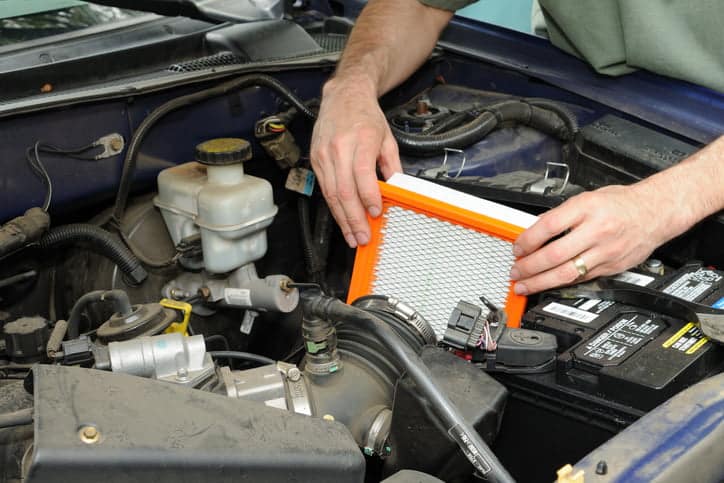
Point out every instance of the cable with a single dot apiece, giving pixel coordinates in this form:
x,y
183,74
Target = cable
x,y
220,338
32,155
460,430
33,158
120,300
242,356
16,418
129,163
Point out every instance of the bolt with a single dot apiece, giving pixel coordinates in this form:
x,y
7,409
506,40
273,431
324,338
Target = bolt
x,y
204,292
182,374
601,468
423,106
328,417
294,374
89,434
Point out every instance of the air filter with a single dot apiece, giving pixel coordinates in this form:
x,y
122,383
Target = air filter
x,y
433,250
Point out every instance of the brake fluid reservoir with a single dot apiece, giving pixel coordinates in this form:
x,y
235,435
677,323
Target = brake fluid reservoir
x,y
215,197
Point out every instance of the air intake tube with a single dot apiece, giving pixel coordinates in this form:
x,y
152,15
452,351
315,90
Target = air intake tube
x,y
472,445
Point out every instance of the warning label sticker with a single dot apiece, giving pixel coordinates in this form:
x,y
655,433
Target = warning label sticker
x,y
620,340
692,286
688,340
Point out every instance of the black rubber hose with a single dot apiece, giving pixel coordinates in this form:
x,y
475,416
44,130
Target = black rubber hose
x,y
16,418
453,120
101,242
305,222
560,109
490,118
243,356
460,430
129,162
121,304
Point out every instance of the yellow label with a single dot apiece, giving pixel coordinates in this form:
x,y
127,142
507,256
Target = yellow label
x,y
678,335
696,346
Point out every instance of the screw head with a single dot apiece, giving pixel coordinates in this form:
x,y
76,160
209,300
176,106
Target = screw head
x,y
294,374
89,434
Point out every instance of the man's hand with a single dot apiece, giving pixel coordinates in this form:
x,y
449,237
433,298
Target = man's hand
x,y
611,229
617,227
390,39
351,137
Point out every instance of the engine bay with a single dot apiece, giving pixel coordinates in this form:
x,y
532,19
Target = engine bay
x,y
193,327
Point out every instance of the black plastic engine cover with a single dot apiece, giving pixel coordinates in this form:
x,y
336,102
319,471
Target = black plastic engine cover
x,y
158,432
417,438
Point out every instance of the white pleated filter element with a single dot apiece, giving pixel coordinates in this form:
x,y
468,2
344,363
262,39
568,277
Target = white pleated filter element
x,y
432,264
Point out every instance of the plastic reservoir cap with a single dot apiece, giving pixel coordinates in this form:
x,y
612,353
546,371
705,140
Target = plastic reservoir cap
x,y
223,151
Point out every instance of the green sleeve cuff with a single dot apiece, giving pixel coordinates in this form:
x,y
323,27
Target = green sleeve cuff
x,y
450,5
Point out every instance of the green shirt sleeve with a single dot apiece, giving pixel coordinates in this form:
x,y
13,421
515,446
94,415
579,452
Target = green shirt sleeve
x,y
450,5
676,38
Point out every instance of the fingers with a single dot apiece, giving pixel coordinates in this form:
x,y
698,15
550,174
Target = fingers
x,y
565,273
365,175
389,160
324,170
344,153
554,254
550,224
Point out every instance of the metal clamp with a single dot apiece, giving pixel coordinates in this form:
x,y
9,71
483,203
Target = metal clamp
x,y
112,145
462,165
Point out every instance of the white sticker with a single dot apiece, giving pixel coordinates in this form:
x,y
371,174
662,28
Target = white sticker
x,y
635,278
569,312
693,285
301,180
238,297
589,304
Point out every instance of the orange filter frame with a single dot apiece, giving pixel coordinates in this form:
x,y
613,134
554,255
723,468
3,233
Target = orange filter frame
x,y
367,256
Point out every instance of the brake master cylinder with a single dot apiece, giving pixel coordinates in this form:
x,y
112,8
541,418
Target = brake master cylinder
x,y
230,210
215,197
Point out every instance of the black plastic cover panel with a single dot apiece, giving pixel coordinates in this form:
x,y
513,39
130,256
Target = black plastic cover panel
x,y
267,40
160,432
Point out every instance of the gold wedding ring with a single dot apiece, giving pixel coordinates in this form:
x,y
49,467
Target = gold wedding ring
x,y
580,266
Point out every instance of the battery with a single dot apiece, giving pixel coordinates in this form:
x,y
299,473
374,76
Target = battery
x,y
633,356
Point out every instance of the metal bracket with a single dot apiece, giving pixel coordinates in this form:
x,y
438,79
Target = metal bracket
x,y
549,185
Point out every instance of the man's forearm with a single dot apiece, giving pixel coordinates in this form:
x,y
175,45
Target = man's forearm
x,y
390,40
694,188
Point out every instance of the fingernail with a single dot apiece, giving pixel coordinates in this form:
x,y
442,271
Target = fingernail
x,y
351,240
514,274
362,238
520,289
517,251
374,211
